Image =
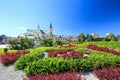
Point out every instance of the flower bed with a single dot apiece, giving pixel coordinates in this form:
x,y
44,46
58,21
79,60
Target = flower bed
x,y
108,73
59,76
104,49
8,58
65,54
68,46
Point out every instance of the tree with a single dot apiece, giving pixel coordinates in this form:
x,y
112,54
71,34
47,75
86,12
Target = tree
x,y
58,42
46,42
111,37
0,39
118,37
81,37
23,43
89,37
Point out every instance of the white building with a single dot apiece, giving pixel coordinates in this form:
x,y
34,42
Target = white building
x,y
108,34
95,35
41,34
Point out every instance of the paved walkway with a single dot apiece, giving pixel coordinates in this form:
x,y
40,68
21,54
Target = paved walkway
x,y
9,73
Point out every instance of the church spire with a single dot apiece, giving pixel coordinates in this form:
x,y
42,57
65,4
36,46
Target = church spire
x,y
38,26
50,25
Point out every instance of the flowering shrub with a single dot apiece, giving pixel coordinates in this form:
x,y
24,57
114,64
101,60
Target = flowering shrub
x,y
108,73
104,49
8,58
59,76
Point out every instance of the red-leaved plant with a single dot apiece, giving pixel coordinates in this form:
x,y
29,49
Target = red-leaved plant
x,y
59,76
108,73
65,54
104,49
68,46
8,58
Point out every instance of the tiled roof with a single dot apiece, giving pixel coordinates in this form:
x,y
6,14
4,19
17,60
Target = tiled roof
x,y
31,31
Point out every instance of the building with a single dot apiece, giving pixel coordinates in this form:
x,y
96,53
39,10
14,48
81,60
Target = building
x,y
41,34
38,33
95,35
109,34
65,38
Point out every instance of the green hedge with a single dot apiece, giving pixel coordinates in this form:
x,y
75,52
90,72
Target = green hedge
x,y
33,63
35,55
55,65
49,65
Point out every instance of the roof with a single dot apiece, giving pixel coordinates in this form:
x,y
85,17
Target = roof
x,y
42,32
31,31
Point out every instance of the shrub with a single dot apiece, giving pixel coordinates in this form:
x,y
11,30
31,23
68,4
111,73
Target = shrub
x,y
59,76
50,65
104,49
35,55
21,44
8,58
108,73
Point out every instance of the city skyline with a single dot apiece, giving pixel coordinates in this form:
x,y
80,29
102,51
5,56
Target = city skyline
x,y
67,17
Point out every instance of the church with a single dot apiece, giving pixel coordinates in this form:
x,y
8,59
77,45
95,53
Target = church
x,y
39,33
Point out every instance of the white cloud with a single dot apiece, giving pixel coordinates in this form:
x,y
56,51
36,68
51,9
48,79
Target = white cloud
x,y
22,28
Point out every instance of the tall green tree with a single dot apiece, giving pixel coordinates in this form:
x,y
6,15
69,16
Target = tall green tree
x,y
21,44
89,37
111,37
81,37
118,37
58,42
46,42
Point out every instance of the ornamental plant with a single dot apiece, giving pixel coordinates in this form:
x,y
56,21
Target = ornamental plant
x,y
104,49
68,46
58,76
8,58
65,53
108,73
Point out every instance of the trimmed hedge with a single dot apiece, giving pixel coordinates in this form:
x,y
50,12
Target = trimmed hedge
x,y
56,65
33,63
35,55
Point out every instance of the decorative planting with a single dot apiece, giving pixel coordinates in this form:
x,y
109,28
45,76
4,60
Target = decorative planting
x,y
104,49
68,46
65,53
59,76
8,58
108,73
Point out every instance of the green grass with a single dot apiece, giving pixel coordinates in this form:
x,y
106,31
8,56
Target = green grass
x,y
2,50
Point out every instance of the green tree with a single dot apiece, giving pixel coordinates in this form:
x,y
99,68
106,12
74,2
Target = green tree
x,y
21,44
111,37
46,42
89,37
58,42
81,37
118,37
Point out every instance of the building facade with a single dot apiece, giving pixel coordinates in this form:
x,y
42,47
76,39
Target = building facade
x,y
41,34
95,35
38,33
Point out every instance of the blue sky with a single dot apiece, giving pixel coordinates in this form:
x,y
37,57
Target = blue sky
x,y
69,17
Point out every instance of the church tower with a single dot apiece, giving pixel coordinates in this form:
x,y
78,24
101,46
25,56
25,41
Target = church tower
x,y
51,30
37,33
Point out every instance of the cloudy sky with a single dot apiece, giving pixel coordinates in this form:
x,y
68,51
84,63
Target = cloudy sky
x,y
69,17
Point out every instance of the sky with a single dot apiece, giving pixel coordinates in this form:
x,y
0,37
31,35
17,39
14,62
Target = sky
x,y
68,17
